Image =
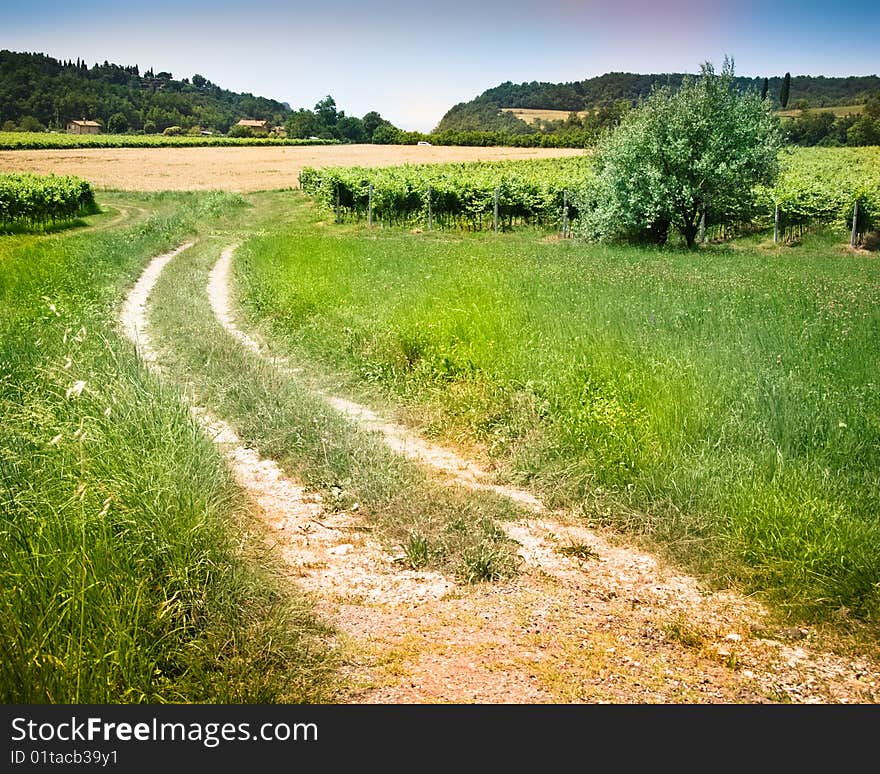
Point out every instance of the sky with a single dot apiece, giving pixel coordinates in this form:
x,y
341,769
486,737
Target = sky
x,y
412,61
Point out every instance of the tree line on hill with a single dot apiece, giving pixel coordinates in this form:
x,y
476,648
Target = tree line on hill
x,y
597,104
605,90
38,92
822,127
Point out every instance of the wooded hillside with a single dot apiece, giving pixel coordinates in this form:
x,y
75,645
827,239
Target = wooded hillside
x,y
605,91
38,91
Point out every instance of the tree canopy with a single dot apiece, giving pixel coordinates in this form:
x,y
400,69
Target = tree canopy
x,y
39,92
701,149
482,113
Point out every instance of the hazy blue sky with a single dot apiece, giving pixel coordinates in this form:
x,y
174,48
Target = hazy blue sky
x,y
412,61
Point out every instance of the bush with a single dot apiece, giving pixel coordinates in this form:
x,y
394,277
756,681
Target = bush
x,y
30,124
240,131
173,131
118,124
871,241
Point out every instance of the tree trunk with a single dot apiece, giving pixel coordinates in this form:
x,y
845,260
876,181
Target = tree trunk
x,y
689,229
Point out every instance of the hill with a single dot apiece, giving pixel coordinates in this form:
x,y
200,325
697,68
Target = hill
x,y
38,91
487,111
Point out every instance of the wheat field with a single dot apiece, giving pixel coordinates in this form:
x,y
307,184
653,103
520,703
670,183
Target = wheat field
x,y
243,170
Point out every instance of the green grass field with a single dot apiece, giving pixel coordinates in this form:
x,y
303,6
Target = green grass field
x,y
717,405
722,404
127,569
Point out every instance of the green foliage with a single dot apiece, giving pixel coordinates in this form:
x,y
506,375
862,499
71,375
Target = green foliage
x,y
701,149
480,116
38,200
444,527
725,406
124,567
461,195
326,121
417,550
123,100
118,124
785,91
240,131
58,91
605,91
823,127
820,185
30,124
33,141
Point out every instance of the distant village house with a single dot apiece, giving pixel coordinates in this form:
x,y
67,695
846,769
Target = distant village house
x,y
254,126
83,127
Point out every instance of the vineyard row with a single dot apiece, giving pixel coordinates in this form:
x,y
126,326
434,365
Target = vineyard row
x,y
39,200
815,186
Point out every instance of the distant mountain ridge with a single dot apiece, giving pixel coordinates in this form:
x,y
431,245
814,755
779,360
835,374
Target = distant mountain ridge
x,y
484,111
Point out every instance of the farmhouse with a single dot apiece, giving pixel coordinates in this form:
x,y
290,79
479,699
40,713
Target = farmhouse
x,y
83,127
254,126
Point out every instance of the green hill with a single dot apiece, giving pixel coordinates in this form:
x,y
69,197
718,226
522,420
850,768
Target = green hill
x,y
603,92
36,89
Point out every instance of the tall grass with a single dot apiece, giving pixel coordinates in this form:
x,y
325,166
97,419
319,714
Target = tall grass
x,y
442,527
725,403
123,541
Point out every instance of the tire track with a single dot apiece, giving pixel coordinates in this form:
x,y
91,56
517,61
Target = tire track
x,y
628,582
565,630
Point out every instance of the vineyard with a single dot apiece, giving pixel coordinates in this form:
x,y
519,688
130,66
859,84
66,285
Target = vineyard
x,y
816,186
467,195
50,141
819,186
39,200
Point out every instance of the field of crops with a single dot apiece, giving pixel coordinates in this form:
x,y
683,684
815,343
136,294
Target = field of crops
x,y
59,141
240,169
453,195
40,200
816,186
820,186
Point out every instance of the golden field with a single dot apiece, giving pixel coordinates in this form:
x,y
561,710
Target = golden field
x,y
239,169
530,115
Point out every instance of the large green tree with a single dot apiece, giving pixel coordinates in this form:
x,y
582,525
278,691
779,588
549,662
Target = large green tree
x,y
700,149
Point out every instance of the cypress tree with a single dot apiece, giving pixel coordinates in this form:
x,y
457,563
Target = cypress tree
x,y
785,90
764,88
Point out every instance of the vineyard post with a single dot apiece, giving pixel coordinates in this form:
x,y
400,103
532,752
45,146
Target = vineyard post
x,y
565,213
702,234
852,239
495,220
338,217
430,213
776,225
370,205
